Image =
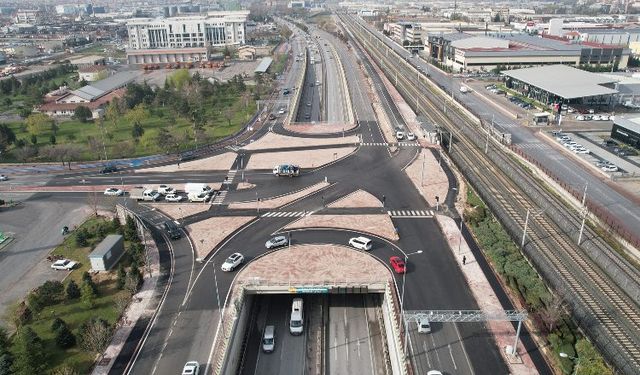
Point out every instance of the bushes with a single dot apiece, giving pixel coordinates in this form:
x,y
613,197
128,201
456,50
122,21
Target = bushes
x,y
73,291
47,294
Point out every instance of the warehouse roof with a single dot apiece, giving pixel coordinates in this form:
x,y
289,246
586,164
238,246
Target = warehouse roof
x,y
264,65
563,81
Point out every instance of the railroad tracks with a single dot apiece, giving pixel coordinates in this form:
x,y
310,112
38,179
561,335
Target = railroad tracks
x,y
605,312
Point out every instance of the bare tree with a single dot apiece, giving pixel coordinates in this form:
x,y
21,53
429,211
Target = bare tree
x,y
95,335
551,314
94,200
121,302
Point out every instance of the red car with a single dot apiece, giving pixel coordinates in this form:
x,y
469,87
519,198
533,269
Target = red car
x,y
398,264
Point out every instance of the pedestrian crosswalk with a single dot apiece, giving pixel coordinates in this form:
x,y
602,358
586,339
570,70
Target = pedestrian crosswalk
x,y
410,213
230,176
219,198
385,144
286,214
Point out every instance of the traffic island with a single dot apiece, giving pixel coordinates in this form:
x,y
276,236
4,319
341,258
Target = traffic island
x,y
357,199
222,162
376,224
205,239
275,202
306,159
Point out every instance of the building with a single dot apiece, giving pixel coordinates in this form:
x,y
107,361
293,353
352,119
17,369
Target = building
x,y
404,31
92,73
627,130
96,96
29,16
247,53
467,52
107,253
86,61
66,9
264,65
164,39
561,84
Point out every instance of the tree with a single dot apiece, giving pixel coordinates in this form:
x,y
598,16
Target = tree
x,y
82,114
133,281
73,291
30,356
6,357
64,338
228,115
52,139
497,17
94,335
130,229
180,78
50,292
87,279
7,137
82,237
88,296
122,277
37,123
20,314
57,323
137,131
64,370
34,139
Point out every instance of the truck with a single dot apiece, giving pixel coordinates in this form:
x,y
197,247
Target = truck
x,y
197,187
286,170
144,194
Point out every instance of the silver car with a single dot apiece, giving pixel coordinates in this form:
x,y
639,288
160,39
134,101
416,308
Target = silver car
x,y
276,242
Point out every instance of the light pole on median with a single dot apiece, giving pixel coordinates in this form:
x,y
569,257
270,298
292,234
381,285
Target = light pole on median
x,y
565,355
404,279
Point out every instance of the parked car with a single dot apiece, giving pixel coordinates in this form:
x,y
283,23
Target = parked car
x,y
580,118
604,117
581,150
3,177
166,189
411,137
232,262
603,163
397,264
362,243
113,192
191,368
596,118
276,241
173,197
610,168
63,264
399,135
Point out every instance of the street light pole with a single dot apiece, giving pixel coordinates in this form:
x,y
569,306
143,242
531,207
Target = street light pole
x,y
524,232
404,279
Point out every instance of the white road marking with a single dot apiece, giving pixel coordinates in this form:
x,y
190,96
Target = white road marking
x,y
452,359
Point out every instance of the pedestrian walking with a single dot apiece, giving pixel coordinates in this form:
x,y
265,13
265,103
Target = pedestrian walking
x,y
464,260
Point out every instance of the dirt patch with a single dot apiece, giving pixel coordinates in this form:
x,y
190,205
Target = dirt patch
x,y
222,162
435,181
378,224
305,158
279,201
357,199
273,140
205,239
180,210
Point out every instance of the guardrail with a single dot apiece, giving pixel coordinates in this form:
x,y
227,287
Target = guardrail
x,y
343,79
295,103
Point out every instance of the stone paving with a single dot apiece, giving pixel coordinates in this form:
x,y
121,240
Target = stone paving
x,y
304,158
306,264
273,140
220,162
357,199
276,202
177,211
377,224
207,234
434,183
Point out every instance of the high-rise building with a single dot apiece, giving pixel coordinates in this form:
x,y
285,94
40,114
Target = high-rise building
x,y
185,38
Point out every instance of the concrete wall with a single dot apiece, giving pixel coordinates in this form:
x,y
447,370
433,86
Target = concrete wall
x,y
237,337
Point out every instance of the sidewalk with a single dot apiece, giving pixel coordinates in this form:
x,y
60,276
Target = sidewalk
x,y
141,306
502,331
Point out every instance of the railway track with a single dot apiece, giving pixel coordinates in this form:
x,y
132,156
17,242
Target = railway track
x,y
605,312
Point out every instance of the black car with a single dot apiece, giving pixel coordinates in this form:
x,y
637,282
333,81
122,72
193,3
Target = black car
x,y
108,169
172,230
187,156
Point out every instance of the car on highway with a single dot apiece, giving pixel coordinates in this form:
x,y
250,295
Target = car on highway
x,y
3,177
191,368
172,230
108,169
281,111
63,264
276,241
361,243
411,137
113,192
399,135
398,264
173,197
272,116
269,339
166,189
233,261
423,325
308,104
610,168
434,372
307,116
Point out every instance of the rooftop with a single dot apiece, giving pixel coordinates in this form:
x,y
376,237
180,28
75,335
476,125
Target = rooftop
x,y
564,81
631,123
105,246
91,59
264,65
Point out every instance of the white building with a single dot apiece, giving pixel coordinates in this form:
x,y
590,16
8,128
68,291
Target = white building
x,y
30,16
66,9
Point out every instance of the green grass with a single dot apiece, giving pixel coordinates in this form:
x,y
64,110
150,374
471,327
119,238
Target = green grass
x,y
75,313
119,141
280,63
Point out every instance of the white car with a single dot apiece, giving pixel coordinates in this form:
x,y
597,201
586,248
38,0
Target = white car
x,y
424,326
604,118
596,118
63,264
581,150
233,261
399,135
276,241
173,197
362,243
166,189
434,372
113,192
570,144
411,137
281,111
191,368
3,177
610,168
580,118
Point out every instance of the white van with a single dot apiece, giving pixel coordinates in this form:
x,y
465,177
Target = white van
x,y
362,243
269,339
296,324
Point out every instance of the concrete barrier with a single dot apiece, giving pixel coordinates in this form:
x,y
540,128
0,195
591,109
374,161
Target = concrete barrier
x,y
295,103
343,79
392,328
234,341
